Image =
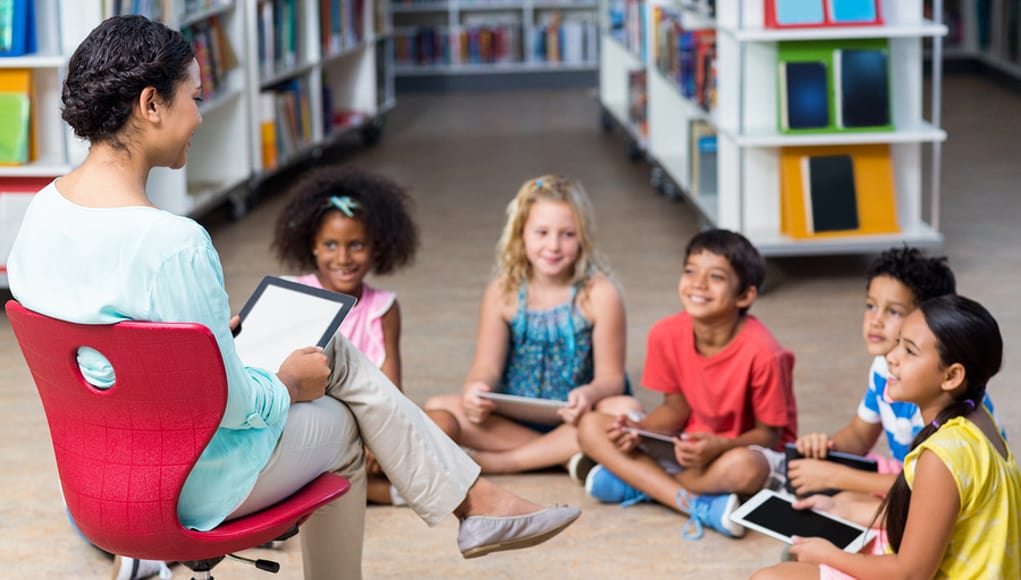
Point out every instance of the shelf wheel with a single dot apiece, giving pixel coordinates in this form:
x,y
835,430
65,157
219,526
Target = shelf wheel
x,y
372,131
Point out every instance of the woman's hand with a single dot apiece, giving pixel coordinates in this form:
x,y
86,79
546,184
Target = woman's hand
x,y
815,445
304,373
476,409
619,433
579,402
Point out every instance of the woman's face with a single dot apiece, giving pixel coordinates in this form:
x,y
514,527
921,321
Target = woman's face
x,y
181,119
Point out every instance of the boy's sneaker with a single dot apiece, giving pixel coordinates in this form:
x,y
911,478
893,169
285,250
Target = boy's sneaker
x,y
134,569
579,466
608,488
710,510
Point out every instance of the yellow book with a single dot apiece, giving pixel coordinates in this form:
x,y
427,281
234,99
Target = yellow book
x,y
16,144
837,191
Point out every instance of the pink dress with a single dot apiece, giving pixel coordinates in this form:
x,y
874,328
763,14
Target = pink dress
x,y
363,326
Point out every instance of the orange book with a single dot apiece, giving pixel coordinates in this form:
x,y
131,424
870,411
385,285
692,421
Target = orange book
x,y
837,191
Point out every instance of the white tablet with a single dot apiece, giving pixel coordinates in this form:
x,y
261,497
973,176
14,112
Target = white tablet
x,y
772,514
282,316
532,410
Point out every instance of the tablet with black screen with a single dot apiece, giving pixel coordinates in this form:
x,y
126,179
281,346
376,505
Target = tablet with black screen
x,y
282,316
846,459
772,514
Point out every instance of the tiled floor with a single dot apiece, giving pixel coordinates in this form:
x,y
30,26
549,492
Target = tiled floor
x,y
464,156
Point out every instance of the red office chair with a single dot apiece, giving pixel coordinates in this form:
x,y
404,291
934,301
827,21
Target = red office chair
x,y
124,453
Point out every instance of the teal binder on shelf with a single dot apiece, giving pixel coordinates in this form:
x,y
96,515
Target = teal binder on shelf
x,y
17,27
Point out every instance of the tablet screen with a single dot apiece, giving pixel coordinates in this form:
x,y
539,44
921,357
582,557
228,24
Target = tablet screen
x,y
777,514
282,316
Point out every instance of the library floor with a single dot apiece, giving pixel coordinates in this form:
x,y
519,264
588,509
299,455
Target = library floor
x,y
464,156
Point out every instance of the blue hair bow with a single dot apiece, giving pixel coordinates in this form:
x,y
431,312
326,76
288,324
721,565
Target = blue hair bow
x,y
345,204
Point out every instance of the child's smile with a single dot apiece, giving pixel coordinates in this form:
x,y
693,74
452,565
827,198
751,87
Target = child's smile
x,y
708,286
551,239
343,254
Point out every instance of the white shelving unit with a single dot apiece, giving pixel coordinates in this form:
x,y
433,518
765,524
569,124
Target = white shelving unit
x,y
225,159
346,76
522,20
617,62
749,143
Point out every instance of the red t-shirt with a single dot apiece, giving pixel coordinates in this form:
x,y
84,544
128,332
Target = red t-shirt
x,y
749,379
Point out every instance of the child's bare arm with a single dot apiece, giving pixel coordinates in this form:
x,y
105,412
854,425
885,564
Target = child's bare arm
x,y
857,437
814,475
490,354
700,449
605,309
391,322
669,417
935,503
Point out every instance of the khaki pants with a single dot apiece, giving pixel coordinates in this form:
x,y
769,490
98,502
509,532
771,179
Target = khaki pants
x,y
362,407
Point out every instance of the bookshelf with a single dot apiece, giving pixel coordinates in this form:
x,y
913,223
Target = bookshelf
x,y
319,70
263,111
741,108
987,32
494,37
623,79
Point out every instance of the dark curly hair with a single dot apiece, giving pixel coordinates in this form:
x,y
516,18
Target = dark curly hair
x,y
110,68
383,206
744,258
926,277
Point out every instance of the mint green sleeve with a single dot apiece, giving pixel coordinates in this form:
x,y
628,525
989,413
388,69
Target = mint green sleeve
x,y
189,286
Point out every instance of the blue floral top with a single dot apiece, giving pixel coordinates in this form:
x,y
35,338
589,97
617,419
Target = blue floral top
x,y
551,350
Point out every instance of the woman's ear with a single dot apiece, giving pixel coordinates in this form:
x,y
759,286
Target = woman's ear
x,y
953,377
148,104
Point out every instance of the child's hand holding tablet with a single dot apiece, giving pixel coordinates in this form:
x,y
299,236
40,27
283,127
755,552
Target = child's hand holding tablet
x,y
774,515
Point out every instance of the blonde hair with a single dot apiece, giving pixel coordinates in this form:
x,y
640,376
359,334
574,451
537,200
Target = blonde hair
x,y
512,266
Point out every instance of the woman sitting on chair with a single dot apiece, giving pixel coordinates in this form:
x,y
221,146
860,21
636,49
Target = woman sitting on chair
x,y
94,249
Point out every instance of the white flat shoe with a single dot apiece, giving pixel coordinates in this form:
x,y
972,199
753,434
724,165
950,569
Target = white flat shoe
x,y
481,535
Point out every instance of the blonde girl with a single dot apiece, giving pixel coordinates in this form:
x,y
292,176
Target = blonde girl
x,y
551,326
955,510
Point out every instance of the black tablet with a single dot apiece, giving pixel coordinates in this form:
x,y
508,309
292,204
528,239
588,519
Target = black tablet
x,y
774,515
848,459
282,316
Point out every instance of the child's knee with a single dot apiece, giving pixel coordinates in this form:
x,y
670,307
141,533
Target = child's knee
x,y
744,470
449,403
619,405
592,428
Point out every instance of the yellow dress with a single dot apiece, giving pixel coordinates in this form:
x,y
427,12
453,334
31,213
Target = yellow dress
x,y
986,539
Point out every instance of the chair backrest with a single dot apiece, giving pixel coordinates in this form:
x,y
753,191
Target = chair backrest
x,y
123,453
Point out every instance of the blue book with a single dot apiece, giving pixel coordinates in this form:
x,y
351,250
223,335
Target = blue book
x,y
791,12
852,11
17,27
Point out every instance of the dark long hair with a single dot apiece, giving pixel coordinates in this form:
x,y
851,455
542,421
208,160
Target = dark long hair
x,y
967,334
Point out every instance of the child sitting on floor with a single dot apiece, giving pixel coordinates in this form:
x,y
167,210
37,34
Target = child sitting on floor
x,y
340,225
898,280
551,326
727,397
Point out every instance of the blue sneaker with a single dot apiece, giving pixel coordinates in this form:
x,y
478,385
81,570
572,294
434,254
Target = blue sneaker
x,y
608,488
710,510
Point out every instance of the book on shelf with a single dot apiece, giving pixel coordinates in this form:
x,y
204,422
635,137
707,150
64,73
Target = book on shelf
x,y
685,56
278,29
815,13
489,39
17,27
703,158
834,86
422,46
638,101
158,10
837,190
214,52
16,143
267,130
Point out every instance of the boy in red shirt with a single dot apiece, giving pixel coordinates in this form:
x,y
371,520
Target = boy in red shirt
x,y
727,398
